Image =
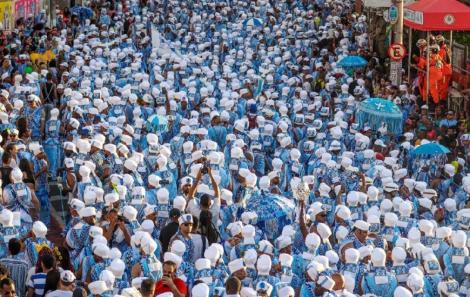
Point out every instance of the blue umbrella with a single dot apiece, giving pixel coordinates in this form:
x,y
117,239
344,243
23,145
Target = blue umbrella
x,y
430,149
274,212
254,22
374,112
352,62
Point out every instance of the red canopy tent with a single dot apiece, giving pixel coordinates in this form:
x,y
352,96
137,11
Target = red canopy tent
x,y
436,15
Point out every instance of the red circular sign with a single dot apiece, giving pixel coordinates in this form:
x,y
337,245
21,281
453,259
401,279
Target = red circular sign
x,y
396,52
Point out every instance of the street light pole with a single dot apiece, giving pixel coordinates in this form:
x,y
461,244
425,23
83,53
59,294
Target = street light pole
x,y
396,66
399,25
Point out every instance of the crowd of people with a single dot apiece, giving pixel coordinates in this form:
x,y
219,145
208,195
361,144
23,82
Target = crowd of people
x,y
211,148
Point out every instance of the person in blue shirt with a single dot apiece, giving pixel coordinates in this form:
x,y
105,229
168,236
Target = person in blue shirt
x,y
378,280
449,121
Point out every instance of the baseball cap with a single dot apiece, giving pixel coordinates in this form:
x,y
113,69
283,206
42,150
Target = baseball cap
x,y
67,276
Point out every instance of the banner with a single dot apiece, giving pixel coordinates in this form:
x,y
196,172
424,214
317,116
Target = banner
x,y
23,8
7,19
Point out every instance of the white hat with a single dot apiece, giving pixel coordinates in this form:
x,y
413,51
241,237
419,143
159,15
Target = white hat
x,y
450,204
361,225
443,232
163,196
212,253
286,291
148,245
39,229
7,218
324,231
101,250
108,277
179,203
236,265
97,287
235,228
312,241
264,265
365,251
111,198
426,226
425,202
449,169
326,282
390,187
16,175
117,267
402,292
459,240
202,263
314,269
405,208
285,260
265,247
131,292
178,247
283,242
147,226
333,257
67,276
130,164
378,257
324,189
351,256
415,281
137,282
171,257
95,231
200,290
429,193
398,255
414,235
248,292
185,218
130,213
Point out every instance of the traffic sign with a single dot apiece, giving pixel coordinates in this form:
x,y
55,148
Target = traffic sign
x,y
395,72
396,52
393,14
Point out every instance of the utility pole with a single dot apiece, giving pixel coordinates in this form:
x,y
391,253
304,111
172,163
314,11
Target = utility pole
x,y
399,25
396,66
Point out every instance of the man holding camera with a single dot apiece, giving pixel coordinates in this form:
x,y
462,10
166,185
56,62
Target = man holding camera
x,y
169,281
206,202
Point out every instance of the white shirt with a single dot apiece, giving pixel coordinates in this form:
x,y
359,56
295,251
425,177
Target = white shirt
x,y
198,246
195,209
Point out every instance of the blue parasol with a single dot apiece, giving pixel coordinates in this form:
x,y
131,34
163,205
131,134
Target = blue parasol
x,y
351,62
274,212
374,112
430,149
254,22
